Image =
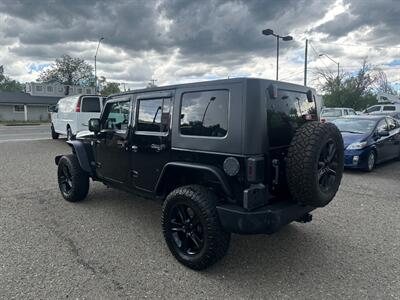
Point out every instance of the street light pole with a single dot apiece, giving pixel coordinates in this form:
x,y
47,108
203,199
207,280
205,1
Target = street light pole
x,y
95,64
284,38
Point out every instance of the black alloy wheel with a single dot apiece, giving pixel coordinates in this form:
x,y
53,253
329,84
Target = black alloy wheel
x,y
72,180
191,227
327,166
187,230
65,180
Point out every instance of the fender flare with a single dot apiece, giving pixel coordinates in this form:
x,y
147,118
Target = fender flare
x,y
213,170
79,150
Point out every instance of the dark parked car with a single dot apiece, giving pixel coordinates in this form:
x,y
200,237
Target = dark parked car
x,y
238,155
369,139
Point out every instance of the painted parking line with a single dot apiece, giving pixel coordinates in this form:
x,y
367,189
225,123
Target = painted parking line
x,y
23,140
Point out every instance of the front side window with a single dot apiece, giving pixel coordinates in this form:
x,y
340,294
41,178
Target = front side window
x,y
90,104
392,123
154,114
382,125
117,115
204,113
19,108
373,108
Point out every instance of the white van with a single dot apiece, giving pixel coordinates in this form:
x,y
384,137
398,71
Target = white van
x,y
71,114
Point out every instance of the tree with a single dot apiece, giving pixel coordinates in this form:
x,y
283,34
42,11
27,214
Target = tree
x,y
69,70
110,88
346,90
9,85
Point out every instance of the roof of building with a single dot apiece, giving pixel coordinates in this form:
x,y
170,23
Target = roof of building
x,y
25,98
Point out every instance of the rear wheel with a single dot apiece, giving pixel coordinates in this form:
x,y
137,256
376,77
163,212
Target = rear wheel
x,y
70,136
191,227
54,134
72,180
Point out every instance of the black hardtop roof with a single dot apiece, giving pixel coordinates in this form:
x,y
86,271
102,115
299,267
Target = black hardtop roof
x,y
286,85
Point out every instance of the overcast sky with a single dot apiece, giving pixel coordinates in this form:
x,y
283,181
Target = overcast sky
x,y
176,41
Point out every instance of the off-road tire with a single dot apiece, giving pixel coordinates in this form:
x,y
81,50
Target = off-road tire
x,y
79,179
303,163
203,202
54,134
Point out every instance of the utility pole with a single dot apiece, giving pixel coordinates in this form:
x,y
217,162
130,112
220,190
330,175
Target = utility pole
x,y
95,65
305,63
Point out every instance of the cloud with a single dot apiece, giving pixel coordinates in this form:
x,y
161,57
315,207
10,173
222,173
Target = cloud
x,y
185,40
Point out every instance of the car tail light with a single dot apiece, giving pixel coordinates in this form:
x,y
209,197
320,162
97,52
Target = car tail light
x,y
310,117
255,169
78,106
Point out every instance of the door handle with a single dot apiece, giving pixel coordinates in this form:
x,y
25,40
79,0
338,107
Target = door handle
x,y
134,148
157,148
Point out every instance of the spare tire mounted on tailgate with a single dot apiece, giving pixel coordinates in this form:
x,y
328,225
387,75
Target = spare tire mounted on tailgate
x,y
315,163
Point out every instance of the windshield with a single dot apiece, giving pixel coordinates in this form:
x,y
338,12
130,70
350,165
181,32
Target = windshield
x,y
355,125
331,112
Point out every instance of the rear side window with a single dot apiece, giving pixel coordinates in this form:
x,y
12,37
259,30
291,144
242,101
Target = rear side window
x,y
389,108
205,113
154,115
90,104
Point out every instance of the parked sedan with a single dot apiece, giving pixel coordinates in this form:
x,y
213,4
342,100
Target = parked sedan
x,y
369,140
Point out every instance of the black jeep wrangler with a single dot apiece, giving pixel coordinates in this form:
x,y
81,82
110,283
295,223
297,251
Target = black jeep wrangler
x,y
238,155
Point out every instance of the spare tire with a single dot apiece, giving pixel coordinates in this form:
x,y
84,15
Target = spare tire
x,y
314,164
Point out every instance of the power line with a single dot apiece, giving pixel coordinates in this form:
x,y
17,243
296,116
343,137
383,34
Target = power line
x,y
318,57
357,45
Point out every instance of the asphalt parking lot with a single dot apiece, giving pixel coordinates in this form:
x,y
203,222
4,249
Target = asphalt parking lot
x,y
111,245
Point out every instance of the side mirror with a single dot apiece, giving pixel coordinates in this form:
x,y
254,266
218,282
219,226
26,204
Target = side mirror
x,y
383,133
94,125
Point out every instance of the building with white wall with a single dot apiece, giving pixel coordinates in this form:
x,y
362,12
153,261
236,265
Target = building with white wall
x,y
33,105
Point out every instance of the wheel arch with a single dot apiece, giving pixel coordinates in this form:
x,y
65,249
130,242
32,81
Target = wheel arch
x,y
81,152
173,171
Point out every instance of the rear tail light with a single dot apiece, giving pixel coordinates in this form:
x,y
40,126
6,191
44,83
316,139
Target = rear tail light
x,y
310,117
255,169
78,106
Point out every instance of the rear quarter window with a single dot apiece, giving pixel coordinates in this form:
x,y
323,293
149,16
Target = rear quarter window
x,y
90,104
204,113
389,108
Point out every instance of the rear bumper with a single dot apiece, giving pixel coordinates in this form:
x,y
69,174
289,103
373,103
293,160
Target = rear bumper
x,y
267,219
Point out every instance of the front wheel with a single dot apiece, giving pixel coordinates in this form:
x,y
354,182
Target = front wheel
x,y
371,162
191,227
54,134
72,180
